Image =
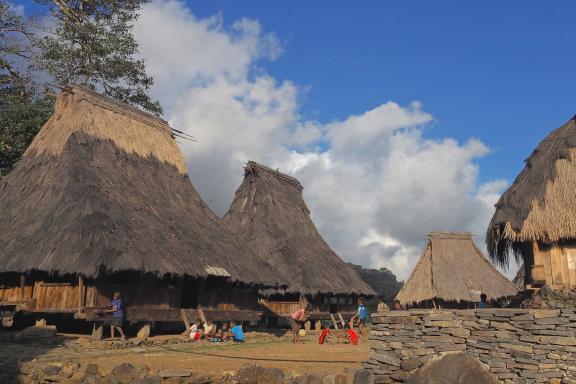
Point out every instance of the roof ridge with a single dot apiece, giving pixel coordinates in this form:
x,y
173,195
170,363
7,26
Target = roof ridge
x,y
116,106
251,165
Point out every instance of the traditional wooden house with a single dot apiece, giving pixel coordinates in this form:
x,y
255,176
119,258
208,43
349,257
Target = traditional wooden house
x,y
101,201
453,273
270,215
535,219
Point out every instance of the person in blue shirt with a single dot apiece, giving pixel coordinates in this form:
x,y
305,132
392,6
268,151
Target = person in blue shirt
x,y
236,332
117,311
361,316
483,301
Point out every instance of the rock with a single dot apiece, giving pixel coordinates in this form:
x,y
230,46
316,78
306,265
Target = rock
x,y
51,370
174,372
201,378
270,376
92,369
148,379
330,379
144,333
248,374
45,332
91,379
453,368
125,373
363,376
410,364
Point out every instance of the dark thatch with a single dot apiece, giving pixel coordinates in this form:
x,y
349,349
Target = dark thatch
x,y
269,213
453,269
540,204
520,277
103,188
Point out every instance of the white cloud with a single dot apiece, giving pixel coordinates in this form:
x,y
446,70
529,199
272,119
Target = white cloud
x,y
374,183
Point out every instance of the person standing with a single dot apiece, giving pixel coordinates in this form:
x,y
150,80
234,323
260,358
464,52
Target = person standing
x,y
361,316
117,311
483,301
297,319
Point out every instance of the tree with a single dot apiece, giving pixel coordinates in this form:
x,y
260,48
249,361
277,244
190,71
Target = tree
x,y
23,110
92,45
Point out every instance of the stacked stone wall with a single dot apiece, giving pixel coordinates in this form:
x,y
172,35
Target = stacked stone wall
x,y
516,345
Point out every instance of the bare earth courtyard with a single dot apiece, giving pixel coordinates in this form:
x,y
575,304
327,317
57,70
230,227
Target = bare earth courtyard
x,y
177,352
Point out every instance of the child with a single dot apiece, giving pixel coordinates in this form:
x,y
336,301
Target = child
x,y
195,332
209,329
351,334
297,319
361,316
324,335
382,306
236,332
117,311
224,333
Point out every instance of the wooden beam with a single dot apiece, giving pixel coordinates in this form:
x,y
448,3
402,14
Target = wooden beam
x,y
334,321
22,286
81,294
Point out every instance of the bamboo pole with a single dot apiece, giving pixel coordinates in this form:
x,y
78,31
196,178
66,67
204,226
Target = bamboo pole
x,y
81,296
22,286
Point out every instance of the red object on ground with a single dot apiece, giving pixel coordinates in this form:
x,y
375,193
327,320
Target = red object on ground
x,y
323,335
353,336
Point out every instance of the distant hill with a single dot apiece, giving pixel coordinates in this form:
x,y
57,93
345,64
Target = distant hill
x,y
381,280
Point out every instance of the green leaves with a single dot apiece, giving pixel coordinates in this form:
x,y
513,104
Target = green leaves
x,y
92,45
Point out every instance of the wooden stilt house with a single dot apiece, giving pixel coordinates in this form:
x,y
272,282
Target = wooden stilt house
x,y
101,201
269,213
535,219
453,273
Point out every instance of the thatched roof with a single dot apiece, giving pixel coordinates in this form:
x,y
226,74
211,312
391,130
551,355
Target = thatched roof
x,y
452,268
270,215
103,188
541,203
519,279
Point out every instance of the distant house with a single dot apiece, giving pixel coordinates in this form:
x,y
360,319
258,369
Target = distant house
x,y
452,272
535,219
101,201
270,215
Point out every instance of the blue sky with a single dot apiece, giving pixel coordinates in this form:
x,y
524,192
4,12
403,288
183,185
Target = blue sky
x,y
501,71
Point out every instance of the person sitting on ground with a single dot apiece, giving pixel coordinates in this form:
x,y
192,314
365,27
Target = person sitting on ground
x,y
223,334
236,332
483,301
117,311
382,306
351,334
398,306
297,320
360,316
195,331
324,335
209,329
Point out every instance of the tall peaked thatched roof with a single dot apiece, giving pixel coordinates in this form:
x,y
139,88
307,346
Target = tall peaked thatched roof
x,y
452,268
270,215
103,188
541,203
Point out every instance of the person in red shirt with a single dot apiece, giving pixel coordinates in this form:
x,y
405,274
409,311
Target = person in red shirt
x,y
297,319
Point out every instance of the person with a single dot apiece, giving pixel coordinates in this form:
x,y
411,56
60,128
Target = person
x,y
209,329
351,334
398,306
360,316
195,332
382,306
117,311
297,319
324,335
483,301
224,333
236,332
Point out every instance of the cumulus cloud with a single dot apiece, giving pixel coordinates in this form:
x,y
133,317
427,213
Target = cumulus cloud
x,y
374,182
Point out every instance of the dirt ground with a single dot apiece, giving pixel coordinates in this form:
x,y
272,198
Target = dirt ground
x,y
176,351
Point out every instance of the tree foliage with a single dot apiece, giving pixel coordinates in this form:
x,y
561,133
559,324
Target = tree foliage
x,y
92,45
86,42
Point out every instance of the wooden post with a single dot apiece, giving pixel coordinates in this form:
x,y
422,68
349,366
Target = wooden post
x,y
185,320
22,286
81,296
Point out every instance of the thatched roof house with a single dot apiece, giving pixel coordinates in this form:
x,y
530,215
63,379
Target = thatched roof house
x,y
538,211
270,215
103,189
453,269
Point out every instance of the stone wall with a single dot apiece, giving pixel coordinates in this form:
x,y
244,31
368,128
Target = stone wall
x,y
516,345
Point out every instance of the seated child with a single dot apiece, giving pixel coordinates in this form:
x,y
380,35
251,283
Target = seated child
x,y
195,332
236,332
324,335
209,329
